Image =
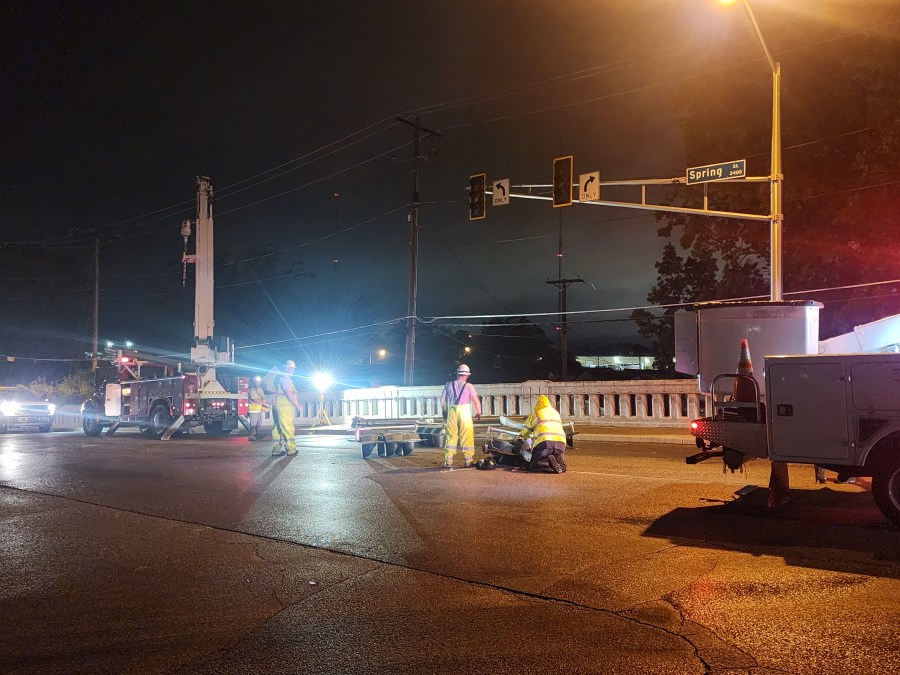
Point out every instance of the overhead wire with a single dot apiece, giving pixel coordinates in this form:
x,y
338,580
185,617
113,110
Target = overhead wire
x,y
577,75
601,69
431,320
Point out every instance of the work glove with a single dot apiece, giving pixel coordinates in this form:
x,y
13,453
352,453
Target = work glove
x,y
444,415
477,417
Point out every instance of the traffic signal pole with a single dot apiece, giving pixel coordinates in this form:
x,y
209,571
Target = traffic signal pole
x,y
409,363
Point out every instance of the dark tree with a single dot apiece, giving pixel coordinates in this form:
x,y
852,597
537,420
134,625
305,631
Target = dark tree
x,y
841,136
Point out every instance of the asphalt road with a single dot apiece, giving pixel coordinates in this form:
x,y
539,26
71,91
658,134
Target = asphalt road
x,y
198,555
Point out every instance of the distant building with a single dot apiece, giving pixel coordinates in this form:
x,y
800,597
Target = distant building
x,y
616,362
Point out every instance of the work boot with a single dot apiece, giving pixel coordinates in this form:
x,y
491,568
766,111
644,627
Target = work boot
x,y
468,462
447,465
277,451
557,464
251,438
291,453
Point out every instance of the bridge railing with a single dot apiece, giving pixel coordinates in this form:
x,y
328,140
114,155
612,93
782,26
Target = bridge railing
x,y
660,403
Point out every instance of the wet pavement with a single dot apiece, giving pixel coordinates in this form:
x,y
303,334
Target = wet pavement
x,y
207,555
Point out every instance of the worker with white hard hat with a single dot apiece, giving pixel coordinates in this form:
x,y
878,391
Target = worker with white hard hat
x,y
284,411
458,401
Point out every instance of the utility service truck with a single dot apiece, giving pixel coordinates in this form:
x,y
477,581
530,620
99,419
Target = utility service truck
x,y
165,397
837,411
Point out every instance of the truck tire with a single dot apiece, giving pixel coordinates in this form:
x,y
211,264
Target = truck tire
x,y
407,448
390,449
886,488
160,419
367,449
215,429
90,422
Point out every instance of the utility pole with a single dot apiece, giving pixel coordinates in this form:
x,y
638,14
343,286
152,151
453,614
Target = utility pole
x,y
96,334
410,360
563,286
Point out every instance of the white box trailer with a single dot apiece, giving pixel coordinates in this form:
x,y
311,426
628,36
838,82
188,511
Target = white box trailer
x,y
840,412
708,336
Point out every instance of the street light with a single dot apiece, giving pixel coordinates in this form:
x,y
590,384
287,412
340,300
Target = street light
x,y
775,176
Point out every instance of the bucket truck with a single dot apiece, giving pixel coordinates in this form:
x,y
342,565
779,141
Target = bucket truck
x,y
176,397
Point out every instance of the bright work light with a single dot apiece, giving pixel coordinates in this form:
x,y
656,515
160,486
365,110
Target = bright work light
x,y
322,381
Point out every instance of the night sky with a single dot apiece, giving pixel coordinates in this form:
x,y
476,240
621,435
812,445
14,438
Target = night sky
x,y
111,110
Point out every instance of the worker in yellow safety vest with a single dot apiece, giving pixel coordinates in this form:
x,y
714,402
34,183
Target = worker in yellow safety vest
x,y
284,411
544,430
257,408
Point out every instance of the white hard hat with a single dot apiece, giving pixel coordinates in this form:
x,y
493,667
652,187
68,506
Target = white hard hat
x,y
463,369
290,364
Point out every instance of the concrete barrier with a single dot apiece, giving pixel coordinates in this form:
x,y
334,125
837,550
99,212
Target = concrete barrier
x,y
627,403
648,403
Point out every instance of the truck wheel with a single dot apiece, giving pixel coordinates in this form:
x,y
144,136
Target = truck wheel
x,y
886,488
90,422
145,431
407,448
437,440
367,449
46,428
160,419
390,449
215,429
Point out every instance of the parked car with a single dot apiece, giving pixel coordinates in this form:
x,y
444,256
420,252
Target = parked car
x,y
20,409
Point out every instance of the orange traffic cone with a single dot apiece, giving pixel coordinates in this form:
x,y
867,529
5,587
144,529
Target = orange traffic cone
x,y
744,391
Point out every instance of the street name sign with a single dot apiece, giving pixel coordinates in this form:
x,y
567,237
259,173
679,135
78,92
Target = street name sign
x,y
712,172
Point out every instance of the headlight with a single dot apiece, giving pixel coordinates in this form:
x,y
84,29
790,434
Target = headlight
x,y
9,408
52,408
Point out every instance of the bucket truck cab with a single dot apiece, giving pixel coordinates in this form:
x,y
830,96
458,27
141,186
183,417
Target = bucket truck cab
x,y
162,402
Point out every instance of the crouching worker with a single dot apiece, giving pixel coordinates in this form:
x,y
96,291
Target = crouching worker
x,y
545,431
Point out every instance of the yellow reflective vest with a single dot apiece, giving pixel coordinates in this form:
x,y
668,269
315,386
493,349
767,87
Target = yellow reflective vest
x,y
544,424
257,401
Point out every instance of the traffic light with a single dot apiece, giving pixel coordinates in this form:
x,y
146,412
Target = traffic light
x,y
477,196
562,181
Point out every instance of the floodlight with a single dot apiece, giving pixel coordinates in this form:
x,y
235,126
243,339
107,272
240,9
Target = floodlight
x,y
322,381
